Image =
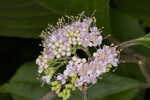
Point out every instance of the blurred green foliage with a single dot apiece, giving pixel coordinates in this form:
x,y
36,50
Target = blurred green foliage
x,y
124,19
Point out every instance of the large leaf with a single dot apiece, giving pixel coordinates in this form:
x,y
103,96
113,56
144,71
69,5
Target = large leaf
x,y
125,27
24,85
124,95
76,6
109,85
131,70
21,18
140,9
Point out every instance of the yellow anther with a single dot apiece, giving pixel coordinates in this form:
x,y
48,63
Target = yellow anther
x,y
112,44
94,19
140,62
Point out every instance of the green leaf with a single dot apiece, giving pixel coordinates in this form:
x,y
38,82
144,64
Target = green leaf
x,y
109,85
77,6
112,84
125,27
145,40
124,95
140,10
20,18
25,84
5,97
130,70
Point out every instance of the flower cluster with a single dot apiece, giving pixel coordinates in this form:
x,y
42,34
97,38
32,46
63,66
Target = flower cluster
x,y
88,72
61,41
59,64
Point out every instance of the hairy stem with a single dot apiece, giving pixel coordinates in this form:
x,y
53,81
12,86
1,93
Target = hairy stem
x,y
127,44
84,92
144,70
49,96
141,61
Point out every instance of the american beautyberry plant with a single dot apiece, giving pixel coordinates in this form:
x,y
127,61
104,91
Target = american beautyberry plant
x,y
74,55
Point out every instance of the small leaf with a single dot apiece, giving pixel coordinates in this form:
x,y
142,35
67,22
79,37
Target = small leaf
x,y
145,40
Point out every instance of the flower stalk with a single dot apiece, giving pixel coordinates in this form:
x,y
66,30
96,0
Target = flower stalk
x,y
84,92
